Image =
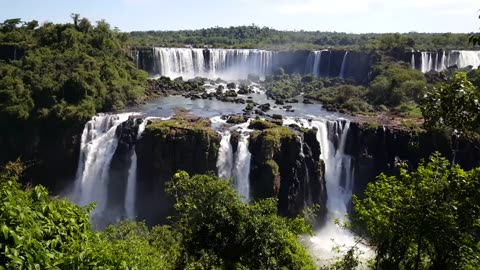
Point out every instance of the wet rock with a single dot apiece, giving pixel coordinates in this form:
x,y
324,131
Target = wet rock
x,y
264,107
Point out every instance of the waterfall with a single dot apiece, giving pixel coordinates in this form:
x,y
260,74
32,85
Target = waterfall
x,y
439,61
234,164
342,68
225,157
132,177
412,62
306,193
98,144
442,66
436,63
241,169
339,173
212,63
137,58
468,58
312,66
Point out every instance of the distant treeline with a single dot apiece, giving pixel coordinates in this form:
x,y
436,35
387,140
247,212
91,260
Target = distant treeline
x,y
268,38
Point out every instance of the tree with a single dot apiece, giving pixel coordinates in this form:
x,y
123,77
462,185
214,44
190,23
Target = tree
x,y
455,104
220,231
425,219
474,38
10,24
75,17
39,232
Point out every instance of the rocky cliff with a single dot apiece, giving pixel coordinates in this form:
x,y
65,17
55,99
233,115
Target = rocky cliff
x,y
377,150
286,165
181,143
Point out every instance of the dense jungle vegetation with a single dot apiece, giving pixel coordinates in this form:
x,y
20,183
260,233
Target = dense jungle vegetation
x,y
212,229
256,37
427,218
65,71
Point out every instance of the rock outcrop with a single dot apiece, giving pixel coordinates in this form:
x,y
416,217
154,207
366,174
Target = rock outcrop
x,y
181,143
286,164
126,133
377,150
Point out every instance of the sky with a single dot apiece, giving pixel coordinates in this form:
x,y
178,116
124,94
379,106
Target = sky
x,y
351,16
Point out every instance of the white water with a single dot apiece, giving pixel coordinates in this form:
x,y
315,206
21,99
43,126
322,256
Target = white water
x,y
342,68
98,145
412,61
212,63
230,164
225,157
132,176
241,169
312,66
339,177
439,61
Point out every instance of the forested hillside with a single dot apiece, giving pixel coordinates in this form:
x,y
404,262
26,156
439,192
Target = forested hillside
x,y
53,78
267,38
65,71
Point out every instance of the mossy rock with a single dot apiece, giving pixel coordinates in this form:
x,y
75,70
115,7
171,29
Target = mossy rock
x,y
237,119
272,137
263,124
181,122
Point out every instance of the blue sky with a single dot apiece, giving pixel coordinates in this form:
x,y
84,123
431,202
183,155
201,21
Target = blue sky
x,y
352,16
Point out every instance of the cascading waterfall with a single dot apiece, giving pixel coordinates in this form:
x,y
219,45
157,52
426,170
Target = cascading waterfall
x,y
98,145
241,169
332,136
439,61
212,63
312,65
225,157
132,177
307,195
342,68
412,62
234,164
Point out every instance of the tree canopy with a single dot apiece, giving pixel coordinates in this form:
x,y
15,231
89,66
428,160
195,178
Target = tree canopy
x,y
257,37
65,71
425,219
454,104
213,229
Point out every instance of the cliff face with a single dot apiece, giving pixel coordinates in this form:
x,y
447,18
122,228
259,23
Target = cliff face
x,y
126,133
286,165
164,148
378,150
49,151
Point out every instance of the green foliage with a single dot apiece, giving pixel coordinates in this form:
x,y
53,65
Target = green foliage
x,y
369,125
425,219
219,231
344,98
135,245
177,85
454,104
394,87
67,72
40,233
182,122
268,38
261,124
395,84
213,229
